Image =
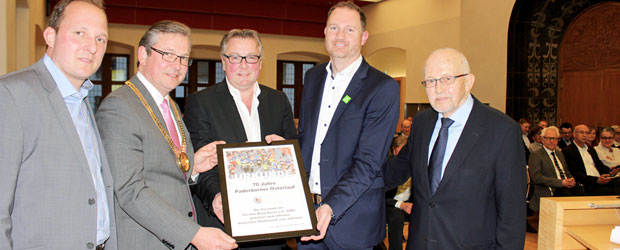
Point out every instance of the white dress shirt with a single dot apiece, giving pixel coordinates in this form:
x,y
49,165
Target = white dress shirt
x,y
557,172
588,162
526,141
333,91
459,117
250,120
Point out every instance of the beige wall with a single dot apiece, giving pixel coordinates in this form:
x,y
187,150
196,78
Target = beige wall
x,y
478,28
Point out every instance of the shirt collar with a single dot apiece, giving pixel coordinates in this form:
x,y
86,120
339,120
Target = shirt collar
x,y
462,113
349,70
235,92
152,90
64,85
548,150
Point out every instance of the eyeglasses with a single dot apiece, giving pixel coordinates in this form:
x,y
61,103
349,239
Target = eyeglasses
x,y
172,57
551,138
236,59
581,132
607,138
446,80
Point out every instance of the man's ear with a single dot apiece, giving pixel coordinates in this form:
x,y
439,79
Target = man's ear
x,y
49,34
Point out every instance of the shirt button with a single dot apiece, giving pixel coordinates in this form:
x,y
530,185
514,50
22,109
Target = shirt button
x,y
432,204
91,201
190,214
329,106
316,183
90,245
325,125
333,87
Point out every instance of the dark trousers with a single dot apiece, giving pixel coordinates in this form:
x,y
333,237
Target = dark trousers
x,y
611,188
395,220
574,191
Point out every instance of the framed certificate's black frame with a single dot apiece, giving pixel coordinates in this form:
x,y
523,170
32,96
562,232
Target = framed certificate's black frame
x,y
226,196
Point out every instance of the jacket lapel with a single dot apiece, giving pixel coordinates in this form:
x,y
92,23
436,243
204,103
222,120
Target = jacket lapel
x,y
354,87
64,117
263,113
428,127
228,106
472,131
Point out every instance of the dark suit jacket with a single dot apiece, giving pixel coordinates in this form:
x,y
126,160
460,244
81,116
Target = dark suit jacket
x,y
543,175
353,152
562,144
480,201
211,115
578,169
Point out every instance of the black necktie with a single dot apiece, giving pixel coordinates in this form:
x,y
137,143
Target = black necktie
x,y
439,150
555,161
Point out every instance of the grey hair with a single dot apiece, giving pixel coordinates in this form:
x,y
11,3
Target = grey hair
x,y
240,33
554,128
166,26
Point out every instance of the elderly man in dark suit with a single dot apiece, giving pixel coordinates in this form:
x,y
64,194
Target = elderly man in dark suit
x,y
466,164
349,112
237,110
55,180
151,156
549,171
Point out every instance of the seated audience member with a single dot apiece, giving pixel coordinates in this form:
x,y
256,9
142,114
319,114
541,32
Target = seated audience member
x,y
549,172
397,202
405,128
536,139
543,124
591,137
525,128
586,167
608,155
617,140
566,132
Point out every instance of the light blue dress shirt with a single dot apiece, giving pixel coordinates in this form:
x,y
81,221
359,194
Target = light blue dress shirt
x,y
85,127
459,117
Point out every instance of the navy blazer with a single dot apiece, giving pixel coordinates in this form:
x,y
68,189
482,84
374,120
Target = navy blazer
x,y
353,152
480,201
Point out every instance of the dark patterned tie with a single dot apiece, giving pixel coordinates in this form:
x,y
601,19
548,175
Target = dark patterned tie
x,y
439,150
555,161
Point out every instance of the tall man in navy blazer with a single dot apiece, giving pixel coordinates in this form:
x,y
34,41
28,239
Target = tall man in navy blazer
x,y
348,115
479,186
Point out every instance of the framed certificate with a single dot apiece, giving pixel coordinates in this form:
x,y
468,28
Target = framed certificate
x,y
265,192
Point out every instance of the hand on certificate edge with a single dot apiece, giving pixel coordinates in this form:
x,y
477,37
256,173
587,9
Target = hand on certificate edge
x,y
273,137
217,207
212,238
406,206
206,157
324,216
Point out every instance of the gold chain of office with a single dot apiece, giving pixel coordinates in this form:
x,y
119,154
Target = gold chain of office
x,y
181,156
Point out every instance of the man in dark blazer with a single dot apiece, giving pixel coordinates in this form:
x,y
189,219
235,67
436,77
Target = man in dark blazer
x,y
349,112
479,180
587,168
55,182
549,171
222,113
566,135
151,156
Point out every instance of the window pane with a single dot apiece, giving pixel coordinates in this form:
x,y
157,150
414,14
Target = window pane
x,y
305,67
94,97
119,68
203,72
219,72
290,93
180,91
96,76
289,74
116,86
